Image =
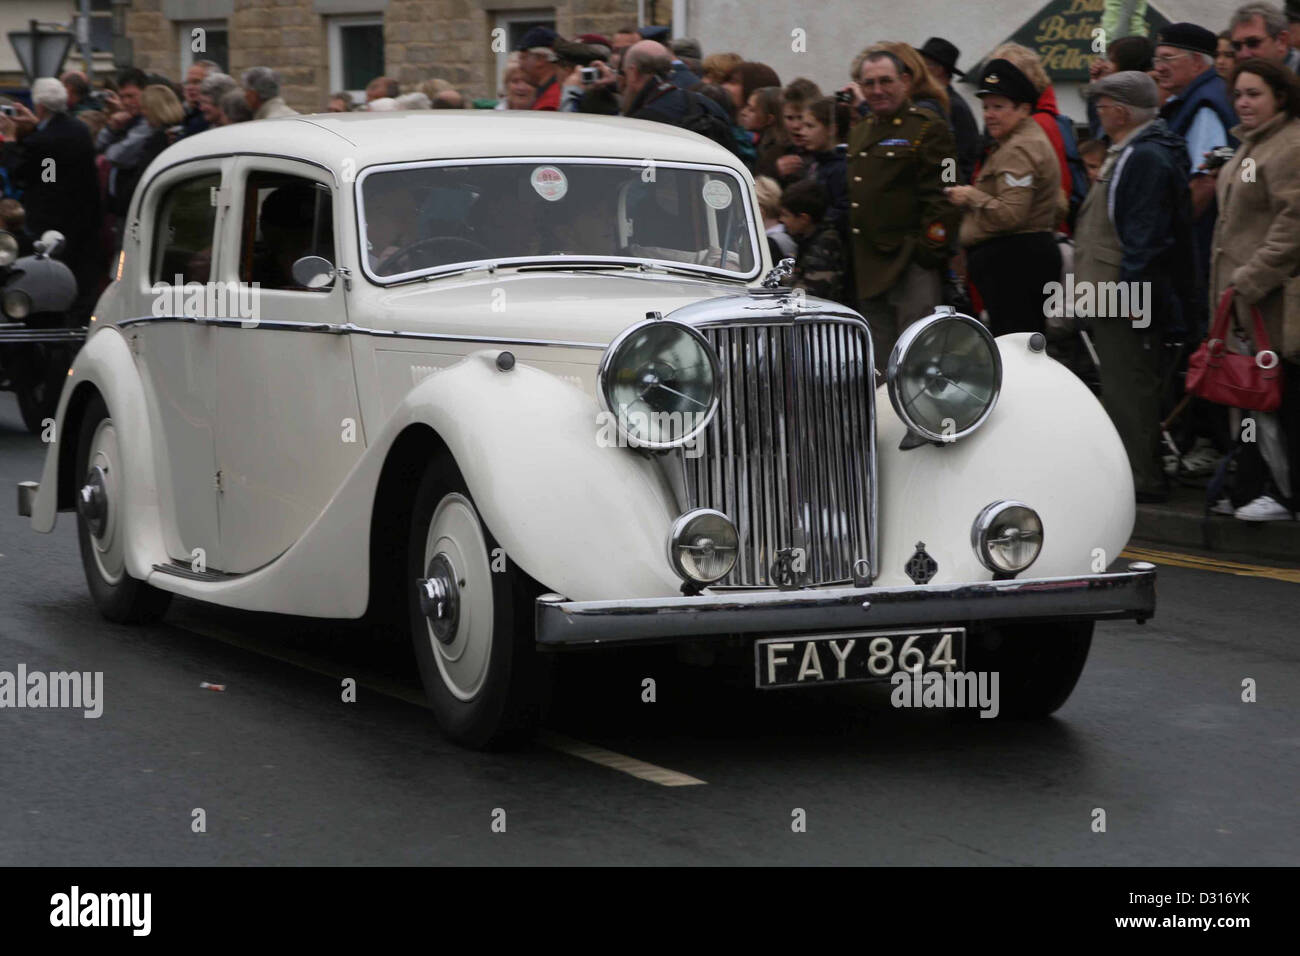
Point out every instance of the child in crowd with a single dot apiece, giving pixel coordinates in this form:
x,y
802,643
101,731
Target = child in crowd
x,y
819,265
825,126
779,242
1093,154
13,220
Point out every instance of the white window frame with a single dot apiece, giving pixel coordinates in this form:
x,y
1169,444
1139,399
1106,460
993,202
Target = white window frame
x,y
336,48
503,21
183,28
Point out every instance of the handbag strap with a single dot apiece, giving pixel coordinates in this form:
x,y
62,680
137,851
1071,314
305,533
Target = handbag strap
x,y
1220,329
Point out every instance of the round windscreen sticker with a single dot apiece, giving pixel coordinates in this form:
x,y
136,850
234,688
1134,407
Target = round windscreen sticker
x,y
717,194
549,183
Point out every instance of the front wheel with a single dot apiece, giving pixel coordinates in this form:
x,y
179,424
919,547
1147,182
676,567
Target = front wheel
x,y
471,619
1037,664
100,534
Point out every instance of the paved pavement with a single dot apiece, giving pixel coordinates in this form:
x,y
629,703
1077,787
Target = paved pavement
x,y
1156,735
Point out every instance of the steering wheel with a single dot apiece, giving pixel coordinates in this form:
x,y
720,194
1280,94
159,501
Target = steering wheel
x,y
450,243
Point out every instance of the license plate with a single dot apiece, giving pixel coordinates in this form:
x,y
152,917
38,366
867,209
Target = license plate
x,y
854,657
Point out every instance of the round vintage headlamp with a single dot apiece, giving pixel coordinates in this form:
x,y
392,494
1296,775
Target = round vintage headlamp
x,y
660,380
16,303
703,545
1007,537
8,248
944,375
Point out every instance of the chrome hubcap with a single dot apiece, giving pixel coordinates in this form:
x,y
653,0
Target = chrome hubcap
x,y
439,595
92,501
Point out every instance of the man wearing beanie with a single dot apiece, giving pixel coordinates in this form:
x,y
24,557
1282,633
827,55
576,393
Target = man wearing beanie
x,y
1197,110
1135,227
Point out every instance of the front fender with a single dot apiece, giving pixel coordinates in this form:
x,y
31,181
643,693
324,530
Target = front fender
x,y
105,364
1049,444
580,518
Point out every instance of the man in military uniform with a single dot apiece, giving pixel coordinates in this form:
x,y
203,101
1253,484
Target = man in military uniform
x,y
900,221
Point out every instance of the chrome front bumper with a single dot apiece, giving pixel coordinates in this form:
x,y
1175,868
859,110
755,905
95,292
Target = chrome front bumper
x,y
1122,595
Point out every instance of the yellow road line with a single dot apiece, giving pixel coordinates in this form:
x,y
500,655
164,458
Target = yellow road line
x,y
617,761
390,688
1179,560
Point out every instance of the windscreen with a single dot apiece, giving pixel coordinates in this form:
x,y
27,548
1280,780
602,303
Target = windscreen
x,y
424,218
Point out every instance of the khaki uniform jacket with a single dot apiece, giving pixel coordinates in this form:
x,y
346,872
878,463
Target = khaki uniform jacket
x,y
1019,188
1257,235
898,213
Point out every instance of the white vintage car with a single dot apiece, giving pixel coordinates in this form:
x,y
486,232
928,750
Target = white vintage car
x,y
522,383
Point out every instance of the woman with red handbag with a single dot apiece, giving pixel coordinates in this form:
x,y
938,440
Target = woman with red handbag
x,y
1256,250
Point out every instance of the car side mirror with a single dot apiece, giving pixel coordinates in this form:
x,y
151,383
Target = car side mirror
x,y
51,241
313,272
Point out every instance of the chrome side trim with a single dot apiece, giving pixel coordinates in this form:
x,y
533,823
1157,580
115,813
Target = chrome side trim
x,y
1118,596
347,328
185,571
24,336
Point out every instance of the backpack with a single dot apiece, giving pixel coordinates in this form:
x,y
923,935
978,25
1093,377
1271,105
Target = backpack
x,y
708,124
1074,163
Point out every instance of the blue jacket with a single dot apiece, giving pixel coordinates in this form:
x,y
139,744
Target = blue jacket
x,y
1206,90
1151,207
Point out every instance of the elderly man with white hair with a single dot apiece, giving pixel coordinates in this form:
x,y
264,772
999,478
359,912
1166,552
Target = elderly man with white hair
x,y
262,92
51,158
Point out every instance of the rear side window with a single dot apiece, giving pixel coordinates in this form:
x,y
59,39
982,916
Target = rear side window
x,y
183,230
284,218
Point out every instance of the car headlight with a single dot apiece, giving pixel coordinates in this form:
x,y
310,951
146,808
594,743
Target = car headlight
x,y
944,376
703,546
8,248
660,379
1007,537
16,303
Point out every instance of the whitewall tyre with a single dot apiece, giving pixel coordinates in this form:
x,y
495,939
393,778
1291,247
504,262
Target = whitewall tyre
x,y
100,533
471,619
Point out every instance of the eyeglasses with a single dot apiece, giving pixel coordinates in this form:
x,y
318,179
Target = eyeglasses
x,y
1168,58
1250,43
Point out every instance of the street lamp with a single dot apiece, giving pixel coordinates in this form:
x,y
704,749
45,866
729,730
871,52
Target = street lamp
x,y
42,50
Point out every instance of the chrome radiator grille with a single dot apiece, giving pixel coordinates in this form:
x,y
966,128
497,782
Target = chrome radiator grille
x,y
789,455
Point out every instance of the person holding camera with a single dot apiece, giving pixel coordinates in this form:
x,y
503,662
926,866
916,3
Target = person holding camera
x,y
68,201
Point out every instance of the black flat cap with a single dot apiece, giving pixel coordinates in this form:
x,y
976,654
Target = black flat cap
x,y
1188,36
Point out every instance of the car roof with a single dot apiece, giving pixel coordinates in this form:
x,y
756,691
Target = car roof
x,y
368,139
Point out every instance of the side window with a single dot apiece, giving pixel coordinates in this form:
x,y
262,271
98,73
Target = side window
x,y
182,236
285,218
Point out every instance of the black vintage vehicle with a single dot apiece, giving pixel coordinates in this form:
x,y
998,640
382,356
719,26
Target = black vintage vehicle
x,y
37,340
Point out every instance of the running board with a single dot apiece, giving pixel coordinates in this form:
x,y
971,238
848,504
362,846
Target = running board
x,y
185,571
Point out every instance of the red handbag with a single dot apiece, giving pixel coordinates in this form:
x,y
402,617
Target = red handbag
x,y
1252,382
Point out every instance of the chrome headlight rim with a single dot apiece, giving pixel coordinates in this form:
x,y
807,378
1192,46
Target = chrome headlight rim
x,y
8,248
9,296
984,523
676,533
894,369
606,364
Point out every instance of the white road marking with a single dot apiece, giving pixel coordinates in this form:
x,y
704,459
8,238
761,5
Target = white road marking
x,y
616,761
390,688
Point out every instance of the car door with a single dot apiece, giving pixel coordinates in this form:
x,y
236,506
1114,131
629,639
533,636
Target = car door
x,y
168,265
289,428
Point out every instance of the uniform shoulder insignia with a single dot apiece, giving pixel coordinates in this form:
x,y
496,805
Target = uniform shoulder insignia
x,y
936,232
1025,180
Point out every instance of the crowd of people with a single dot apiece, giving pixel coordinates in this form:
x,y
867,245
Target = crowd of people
x,y
890,196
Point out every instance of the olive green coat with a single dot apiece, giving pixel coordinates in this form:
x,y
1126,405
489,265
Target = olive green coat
x,y
898,213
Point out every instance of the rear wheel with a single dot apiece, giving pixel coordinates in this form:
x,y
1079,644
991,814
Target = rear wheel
x,y
100,533
1037,664
471,619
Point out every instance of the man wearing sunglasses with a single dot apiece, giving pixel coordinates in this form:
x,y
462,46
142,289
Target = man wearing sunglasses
x,y
1262,30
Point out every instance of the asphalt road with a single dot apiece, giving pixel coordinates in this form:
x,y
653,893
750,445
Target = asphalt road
x,y
1156,734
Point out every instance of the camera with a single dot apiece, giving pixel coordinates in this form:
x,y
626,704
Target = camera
x,y
589,75
1218,156
8,109
843,96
